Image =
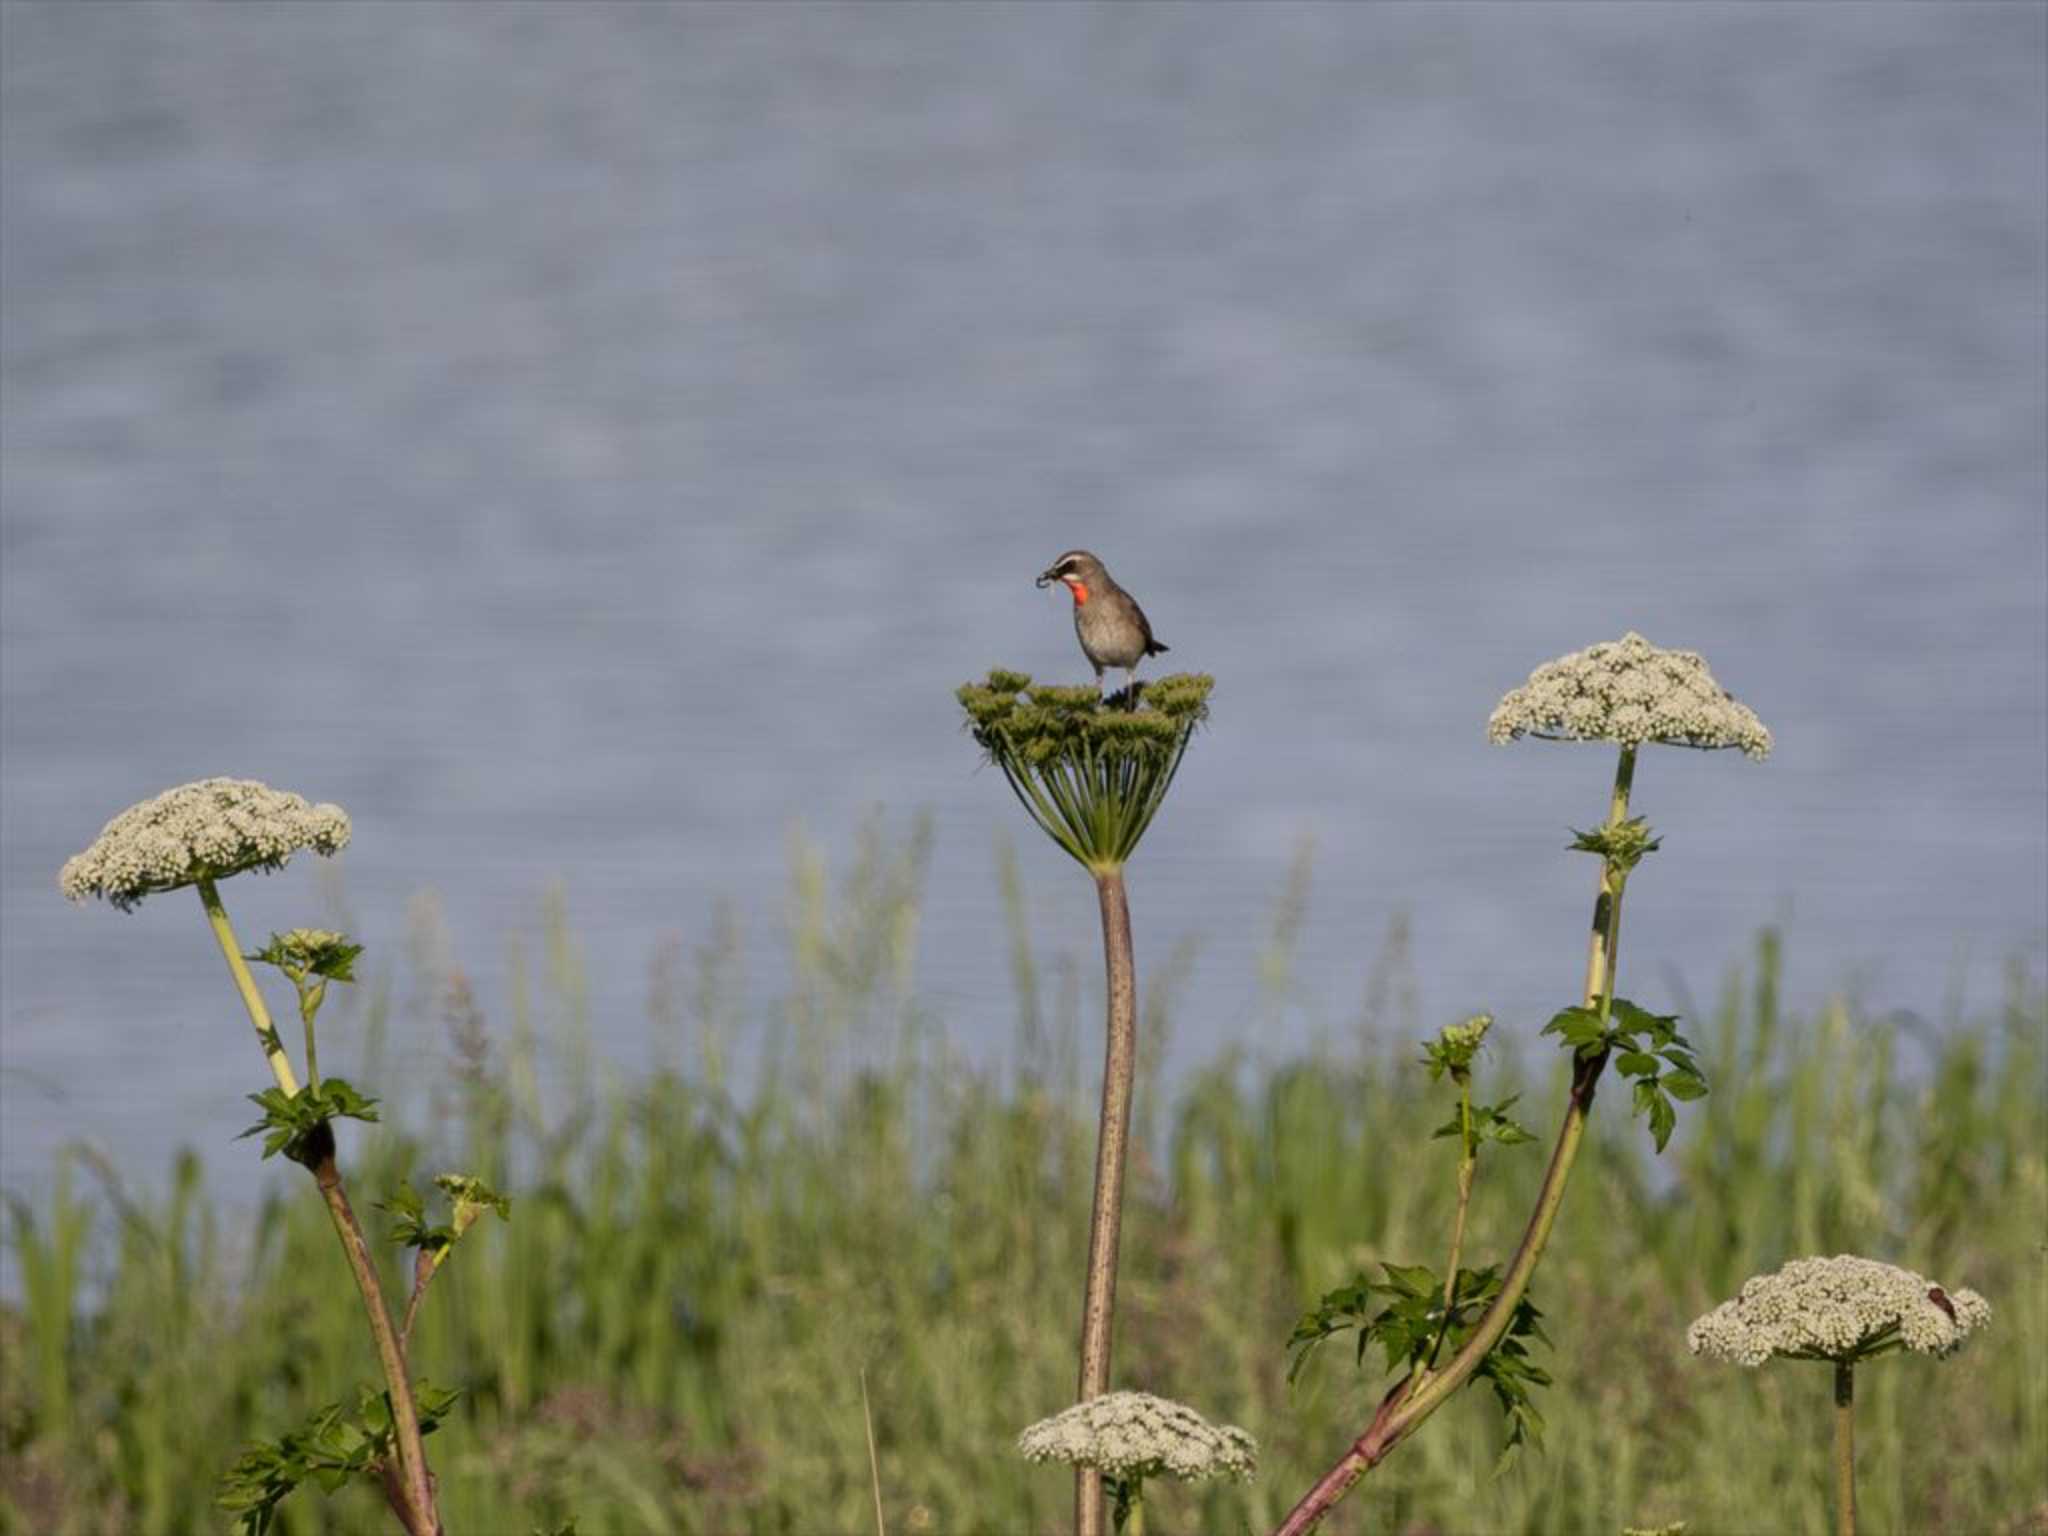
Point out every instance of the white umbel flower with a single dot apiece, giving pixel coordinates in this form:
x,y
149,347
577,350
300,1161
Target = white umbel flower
x,y
1136,1435
1631,692
205,830
1841,1309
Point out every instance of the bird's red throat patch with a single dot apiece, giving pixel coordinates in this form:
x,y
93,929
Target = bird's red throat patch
x,y
1078,588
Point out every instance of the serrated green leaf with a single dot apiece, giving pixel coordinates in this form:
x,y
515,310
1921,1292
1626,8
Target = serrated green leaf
x,y
1663,1120
1494,1122
310,952
1682,1059
337,1096
434,1402
405,1203
1660,1027
1685,1085
1412,1280
1339,1310
1577,1026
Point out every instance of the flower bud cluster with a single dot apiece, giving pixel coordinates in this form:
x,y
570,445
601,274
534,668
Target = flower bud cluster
x,y
1837,1309
1629,691
1136,1435
205,830
1042,723
1455,1045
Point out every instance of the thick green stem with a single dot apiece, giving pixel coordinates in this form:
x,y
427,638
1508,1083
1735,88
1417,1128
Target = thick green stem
x,y
1403,1410
259,1015
1845,1448
1130,1509
1098,1307
417,1512
308,1006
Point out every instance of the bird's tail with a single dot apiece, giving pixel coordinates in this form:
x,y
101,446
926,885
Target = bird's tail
x,y
1154,648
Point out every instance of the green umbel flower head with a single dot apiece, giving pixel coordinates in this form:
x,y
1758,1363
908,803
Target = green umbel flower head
x,y
202,831
1629,691
1091,774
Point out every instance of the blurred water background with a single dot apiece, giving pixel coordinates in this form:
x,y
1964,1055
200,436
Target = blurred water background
x,y
591,442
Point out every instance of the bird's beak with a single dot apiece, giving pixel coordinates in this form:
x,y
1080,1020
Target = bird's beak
x,y
1045,579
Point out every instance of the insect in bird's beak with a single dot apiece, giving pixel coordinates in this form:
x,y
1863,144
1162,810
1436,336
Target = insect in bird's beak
x,y
1045,579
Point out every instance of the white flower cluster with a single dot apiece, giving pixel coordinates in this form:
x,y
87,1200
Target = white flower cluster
x,y
1137,1435
1629,691
1837,1309
213,828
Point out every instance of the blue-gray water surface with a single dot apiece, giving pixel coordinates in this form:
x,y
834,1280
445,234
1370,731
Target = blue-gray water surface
x,y
588,441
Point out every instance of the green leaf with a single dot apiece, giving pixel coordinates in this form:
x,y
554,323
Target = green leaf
x,y
1493,1121
1622,845
1510,1133
1685,1085
1682,1059
1339,1311
433,1403
409,1219
1660,1027
1663,1119
1413,1279
1635,1064
1580,1028
289,1121
339,1097
1646,1094
310,952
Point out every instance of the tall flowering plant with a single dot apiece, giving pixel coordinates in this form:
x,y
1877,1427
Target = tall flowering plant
x,y
1128,1438
1092,776
1441,1334
199,835
1839,1311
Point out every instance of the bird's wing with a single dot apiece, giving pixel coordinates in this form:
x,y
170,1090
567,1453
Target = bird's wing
x,y
1152,647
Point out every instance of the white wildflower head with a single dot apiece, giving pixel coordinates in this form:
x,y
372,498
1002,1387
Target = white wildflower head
x,y
206,830
1134,1435
1629,691
1843,1309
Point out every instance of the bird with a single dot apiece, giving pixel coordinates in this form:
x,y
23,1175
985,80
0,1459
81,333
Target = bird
x,y
1111,626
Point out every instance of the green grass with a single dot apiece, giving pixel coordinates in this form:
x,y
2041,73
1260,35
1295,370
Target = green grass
x,y
669,1334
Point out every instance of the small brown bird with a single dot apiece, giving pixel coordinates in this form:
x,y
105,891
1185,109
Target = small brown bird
x,y
1111,626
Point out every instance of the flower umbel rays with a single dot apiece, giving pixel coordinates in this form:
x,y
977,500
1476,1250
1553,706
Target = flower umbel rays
x,y
1841,1309
1134,1435
1092,775
1629,691
207,830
